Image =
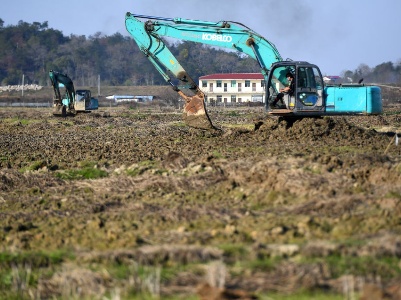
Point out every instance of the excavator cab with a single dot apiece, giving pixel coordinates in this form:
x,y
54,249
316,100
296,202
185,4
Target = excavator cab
x,y
308,93
85,102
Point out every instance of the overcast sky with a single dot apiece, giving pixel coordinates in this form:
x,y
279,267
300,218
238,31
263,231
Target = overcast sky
x,y
335,35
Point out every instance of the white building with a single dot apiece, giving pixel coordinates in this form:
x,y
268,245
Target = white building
x,y
233,87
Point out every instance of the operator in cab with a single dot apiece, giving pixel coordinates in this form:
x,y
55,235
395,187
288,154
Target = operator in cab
x,y
287,90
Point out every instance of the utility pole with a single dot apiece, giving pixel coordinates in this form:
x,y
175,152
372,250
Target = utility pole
x,y
22,92
98,85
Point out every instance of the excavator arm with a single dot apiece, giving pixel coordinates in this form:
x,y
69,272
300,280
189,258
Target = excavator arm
x,y
231,35
56,79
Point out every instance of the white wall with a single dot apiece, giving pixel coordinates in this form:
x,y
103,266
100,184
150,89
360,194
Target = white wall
x,y
247,94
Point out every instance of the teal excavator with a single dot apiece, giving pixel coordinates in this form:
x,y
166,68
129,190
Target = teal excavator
x,y
310,97
72,101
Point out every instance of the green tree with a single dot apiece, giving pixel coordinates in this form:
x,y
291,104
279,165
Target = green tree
x,y
385,73
34,49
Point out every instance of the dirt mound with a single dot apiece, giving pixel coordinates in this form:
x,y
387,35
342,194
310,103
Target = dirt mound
x,y
333,129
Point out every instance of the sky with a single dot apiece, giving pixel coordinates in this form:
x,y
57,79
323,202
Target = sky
x,y
335,35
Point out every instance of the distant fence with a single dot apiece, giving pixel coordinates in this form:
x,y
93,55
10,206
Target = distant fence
x,y
24,104
21,102
10,88
234,104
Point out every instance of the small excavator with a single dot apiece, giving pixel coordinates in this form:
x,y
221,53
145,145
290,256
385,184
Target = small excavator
x,y
73,100
311,96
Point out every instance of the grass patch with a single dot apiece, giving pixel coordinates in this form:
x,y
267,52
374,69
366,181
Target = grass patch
x,y
233,114
303,295
20,273
36,165
385,267
312,170
88,170
34,259
265,264
234,253
146,280
393,194
88,128
19,121
249,127
122,271
217,154
178,124
142,167
390,113
138,116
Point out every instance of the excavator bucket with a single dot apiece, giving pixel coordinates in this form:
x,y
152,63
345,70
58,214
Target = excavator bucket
x,y
59,110
195,114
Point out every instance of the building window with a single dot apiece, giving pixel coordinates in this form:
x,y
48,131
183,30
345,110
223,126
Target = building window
x,y
262,83
247,83
218,83
211,87
233,83
253,86
239,99
219,98
225,87
204,83
233,98
239,87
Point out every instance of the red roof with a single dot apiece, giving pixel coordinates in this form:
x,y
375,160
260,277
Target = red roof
x,y
232,76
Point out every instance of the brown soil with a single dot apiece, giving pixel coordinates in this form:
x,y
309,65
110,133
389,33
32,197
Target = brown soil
x,y
293,194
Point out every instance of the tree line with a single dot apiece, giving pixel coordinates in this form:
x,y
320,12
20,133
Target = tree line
x,y
34,49
386,72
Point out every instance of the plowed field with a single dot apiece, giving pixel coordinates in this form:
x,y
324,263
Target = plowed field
x,y
122,203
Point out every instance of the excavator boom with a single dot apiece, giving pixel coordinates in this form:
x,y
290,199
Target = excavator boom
x,y
235,36
56,79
